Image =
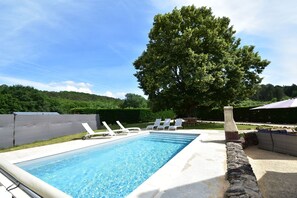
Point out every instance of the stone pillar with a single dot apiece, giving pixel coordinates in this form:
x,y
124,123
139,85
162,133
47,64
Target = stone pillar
x,y
231,131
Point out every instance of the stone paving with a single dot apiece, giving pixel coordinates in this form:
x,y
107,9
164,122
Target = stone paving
x,y
276,173
197,171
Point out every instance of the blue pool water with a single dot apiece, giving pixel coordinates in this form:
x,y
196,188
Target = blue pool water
x,y
109,170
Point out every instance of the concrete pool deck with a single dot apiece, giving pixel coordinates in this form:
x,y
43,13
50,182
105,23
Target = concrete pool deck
x,y
276,172
197,171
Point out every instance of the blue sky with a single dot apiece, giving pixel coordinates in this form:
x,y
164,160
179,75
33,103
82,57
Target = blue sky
x,y
90,46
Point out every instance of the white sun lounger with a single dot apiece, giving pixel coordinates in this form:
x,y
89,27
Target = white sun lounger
x,y
165,124
91,133
178,124
111,130
155,125
130,129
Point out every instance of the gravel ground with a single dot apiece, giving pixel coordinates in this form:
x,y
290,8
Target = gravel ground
x,y
276,173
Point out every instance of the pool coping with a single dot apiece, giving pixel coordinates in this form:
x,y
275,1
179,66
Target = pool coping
x,y
154,186
157,182
12,176
172,179
48,150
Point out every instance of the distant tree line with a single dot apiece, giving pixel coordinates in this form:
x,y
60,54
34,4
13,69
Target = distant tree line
x,y
27,99
270,92
20,98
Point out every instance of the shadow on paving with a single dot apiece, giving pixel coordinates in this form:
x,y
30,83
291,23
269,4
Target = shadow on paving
x,y
259,154
214,141
276,173
278,185
207,188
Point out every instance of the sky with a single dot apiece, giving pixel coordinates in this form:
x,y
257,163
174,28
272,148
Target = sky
x,y
90,45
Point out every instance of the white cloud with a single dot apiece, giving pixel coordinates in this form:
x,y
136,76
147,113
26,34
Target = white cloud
x,y
53,86
108,93
269,24
72,86
120,95
250,16
65,86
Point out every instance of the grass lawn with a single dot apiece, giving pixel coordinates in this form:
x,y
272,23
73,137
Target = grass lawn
x,y
213,126
218,126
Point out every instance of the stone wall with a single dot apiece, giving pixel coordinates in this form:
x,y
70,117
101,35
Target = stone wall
x,y
243,182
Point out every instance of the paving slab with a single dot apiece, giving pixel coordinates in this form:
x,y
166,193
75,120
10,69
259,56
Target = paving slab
x,y
197,171
276,173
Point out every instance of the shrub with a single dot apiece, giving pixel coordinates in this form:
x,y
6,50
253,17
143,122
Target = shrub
x,y
245,114
125,115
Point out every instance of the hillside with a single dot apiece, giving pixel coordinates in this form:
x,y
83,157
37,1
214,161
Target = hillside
x,y
20,98
71,95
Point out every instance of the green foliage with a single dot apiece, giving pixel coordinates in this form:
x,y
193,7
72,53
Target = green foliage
x,y
71,95
291,91
134,101
270,92
125,115
27,99
19,98
250,103
65,101
193,59
165,114
145,115
206,113
245,114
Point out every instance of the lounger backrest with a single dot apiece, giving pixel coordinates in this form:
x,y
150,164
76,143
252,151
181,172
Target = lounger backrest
x,y
120,124
108,128
178,122
88,128
157,122
167,122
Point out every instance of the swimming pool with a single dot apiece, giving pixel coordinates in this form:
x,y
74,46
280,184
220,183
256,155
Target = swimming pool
x,y
110,170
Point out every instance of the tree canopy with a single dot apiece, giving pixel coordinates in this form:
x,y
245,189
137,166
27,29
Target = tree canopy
x,y
193,59
20,98
271,92
134,101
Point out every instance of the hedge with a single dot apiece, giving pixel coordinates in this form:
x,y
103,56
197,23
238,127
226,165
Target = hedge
x,y
125,115
205,113
245,114
241,114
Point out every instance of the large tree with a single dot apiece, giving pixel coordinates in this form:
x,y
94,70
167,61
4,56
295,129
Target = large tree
x,y
193,59
134,101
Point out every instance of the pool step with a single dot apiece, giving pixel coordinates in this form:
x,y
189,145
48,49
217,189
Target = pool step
x,y
170,138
